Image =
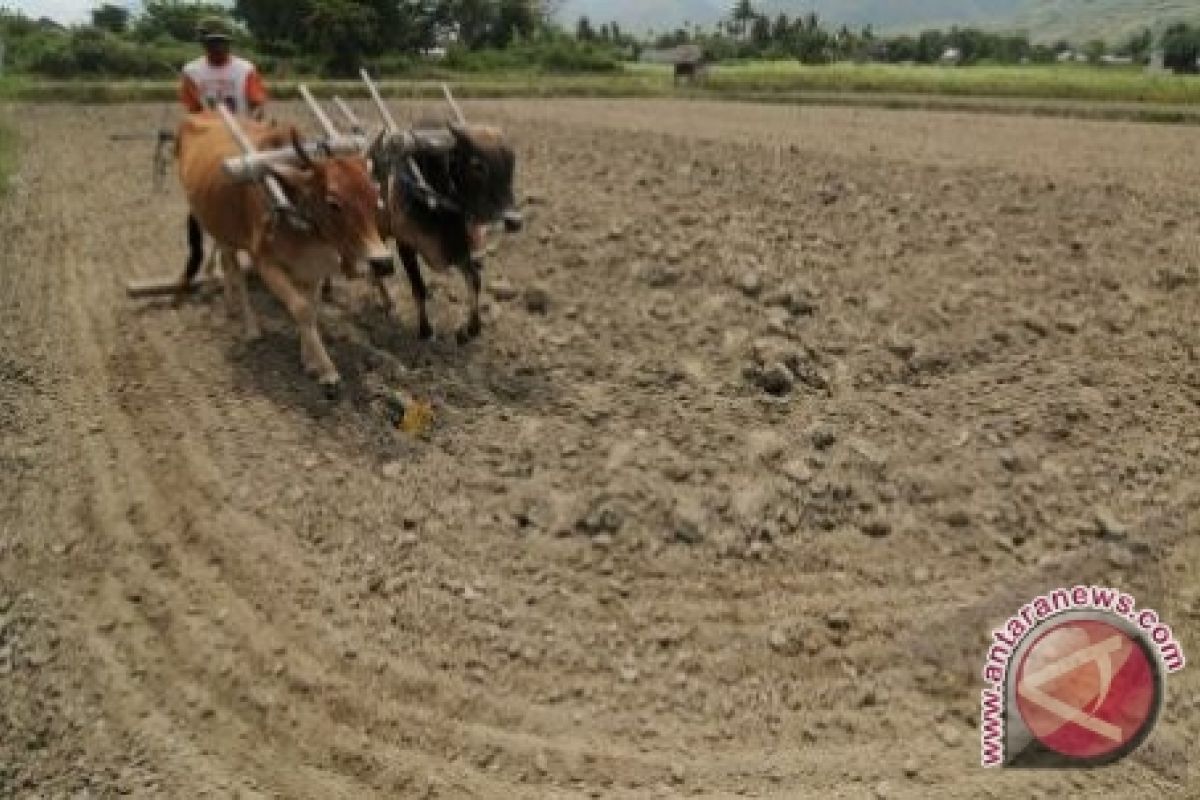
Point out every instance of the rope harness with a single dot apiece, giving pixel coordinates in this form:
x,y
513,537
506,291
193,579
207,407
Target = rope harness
x,y
398,165
415,191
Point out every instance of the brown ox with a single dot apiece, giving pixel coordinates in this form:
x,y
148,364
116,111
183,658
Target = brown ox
x,y
335,197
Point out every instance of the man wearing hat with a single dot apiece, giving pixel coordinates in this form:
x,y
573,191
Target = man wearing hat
x,y
216,77
221,77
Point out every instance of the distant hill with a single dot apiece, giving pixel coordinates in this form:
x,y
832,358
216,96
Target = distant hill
x,y
664,15
1110,20
1045,20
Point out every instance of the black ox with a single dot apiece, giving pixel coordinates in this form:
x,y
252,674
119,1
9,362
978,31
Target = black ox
x,y
441,193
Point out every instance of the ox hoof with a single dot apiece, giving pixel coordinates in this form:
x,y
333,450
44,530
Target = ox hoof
x,y
425,332
471,331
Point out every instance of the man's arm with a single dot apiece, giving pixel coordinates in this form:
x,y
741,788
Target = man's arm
x,y
256,94
189,95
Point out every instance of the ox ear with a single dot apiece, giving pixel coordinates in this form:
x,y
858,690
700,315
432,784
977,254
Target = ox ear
x,y
377,142
294,179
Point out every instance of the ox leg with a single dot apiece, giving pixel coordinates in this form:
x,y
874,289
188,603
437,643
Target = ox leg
x,y
420,292
310,350
210,265
233,292
237,294
379,279
303,310
195,238
473,275
385,295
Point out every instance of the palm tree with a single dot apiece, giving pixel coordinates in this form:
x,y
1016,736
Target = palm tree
x,y
743,14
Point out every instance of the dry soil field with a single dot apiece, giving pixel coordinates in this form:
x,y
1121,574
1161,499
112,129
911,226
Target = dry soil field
x,y
618,566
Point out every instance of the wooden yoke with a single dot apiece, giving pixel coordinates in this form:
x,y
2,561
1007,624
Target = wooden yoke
x,y
280,205
331,131
256,166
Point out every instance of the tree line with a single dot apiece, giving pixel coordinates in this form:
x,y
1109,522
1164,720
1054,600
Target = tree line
x,y
331,37
746,33
335,37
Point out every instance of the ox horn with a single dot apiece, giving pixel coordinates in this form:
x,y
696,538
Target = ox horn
x,y
301,153
378,140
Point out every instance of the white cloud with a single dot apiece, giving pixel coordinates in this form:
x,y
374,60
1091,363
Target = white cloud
x,y
65,11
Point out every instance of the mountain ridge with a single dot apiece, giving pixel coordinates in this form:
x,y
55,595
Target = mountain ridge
x,y
1044,20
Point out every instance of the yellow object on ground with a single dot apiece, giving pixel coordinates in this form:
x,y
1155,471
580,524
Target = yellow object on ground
x,y
417,419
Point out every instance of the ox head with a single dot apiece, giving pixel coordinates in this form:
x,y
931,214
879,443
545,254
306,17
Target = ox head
x,y
338,199
482,165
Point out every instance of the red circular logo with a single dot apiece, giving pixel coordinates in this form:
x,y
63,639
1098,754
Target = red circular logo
x,y
1089,690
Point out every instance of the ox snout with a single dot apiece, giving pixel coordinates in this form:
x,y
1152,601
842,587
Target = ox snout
x,y
514,221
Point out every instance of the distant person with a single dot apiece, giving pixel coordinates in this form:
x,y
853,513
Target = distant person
x,y
216,77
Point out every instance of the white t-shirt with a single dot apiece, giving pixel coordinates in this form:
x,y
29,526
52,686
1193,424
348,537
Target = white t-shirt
x,y
226,83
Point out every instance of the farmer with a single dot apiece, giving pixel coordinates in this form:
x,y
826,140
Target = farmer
x,y
216,77
221,77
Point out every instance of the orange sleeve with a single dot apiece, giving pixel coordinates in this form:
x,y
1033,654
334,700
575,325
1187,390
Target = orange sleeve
x,y
189,95
256,90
